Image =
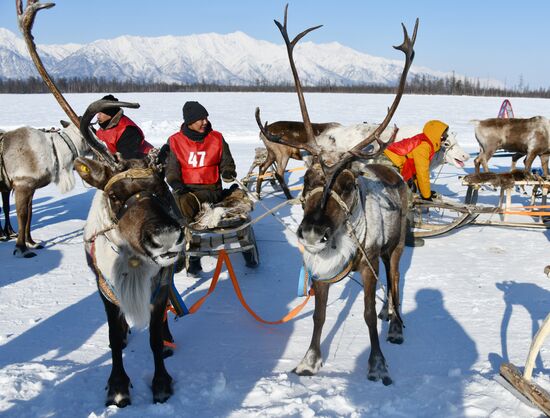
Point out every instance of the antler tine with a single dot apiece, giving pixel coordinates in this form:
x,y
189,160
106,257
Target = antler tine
x,y
407,47
26,21
290,49
89,135
278,140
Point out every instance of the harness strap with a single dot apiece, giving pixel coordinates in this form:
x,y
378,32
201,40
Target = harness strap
x,y
132,173
104,286
224,258
69,143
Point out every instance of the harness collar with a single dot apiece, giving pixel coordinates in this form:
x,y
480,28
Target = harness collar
x,y
68,141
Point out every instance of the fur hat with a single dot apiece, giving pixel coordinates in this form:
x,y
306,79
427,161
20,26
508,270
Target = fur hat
x,y
112,111
193,111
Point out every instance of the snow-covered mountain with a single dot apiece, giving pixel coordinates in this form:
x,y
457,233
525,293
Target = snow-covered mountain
x,y
232,59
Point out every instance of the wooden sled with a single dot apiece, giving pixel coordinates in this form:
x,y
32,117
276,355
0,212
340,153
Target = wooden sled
x,y
232,233
441,216
507,183
522,382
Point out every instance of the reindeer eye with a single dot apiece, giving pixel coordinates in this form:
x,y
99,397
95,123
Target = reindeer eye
x,y
83,168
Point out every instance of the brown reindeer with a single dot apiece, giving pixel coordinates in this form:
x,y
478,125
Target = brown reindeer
x,y
351,220
279,154
132,238
530,137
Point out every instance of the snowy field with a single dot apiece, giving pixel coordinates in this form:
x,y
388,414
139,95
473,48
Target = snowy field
x,y
471,299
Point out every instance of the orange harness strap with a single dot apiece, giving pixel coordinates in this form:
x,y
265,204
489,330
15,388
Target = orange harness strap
x,y
223,257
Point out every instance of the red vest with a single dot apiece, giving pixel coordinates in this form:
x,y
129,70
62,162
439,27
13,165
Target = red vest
x,y
112,135
199,161
404,147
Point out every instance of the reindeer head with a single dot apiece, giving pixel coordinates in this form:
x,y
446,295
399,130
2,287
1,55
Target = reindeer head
x,y
330,192
138,199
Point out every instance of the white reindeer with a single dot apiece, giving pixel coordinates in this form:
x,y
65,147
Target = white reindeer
x,y
30,159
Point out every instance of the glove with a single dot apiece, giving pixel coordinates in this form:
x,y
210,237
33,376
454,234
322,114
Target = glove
x,y
229,175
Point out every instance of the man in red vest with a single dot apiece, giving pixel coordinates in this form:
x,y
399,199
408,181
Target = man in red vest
x,y
120,134
198,161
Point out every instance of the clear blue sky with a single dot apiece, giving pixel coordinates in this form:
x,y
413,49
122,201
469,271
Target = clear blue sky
x,y
503,39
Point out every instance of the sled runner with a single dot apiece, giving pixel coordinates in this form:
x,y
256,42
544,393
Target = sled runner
x,y
442,215
522,382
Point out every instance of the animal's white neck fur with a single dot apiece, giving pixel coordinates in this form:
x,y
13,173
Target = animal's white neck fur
x,y
331,261
132,285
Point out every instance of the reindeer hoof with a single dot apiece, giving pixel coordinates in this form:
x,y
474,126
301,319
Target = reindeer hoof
x,y
395,333
310,364
19,253
162,389
122,401
35,245
378,370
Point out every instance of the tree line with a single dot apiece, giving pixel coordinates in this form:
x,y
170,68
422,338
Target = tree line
x,y
422,84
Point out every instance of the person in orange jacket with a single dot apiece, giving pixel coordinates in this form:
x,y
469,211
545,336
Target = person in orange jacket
x,y
412,156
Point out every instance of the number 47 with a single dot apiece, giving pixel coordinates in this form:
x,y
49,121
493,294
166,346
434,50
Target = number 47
x,y
196,158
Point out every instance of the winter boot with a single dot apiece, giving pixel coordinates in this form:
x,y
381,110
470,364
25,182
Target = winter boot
x,y
194,268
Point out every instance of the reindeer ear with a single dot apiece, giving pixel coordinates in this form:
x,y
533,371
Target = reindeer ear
x,y
92,172
64,123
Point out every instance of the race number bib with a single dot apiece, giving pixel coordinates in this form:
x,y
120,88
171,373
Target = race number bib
x,y
196,159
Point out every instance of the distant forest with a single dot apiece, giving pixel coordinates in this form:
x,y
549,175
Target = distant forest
x,y
415,85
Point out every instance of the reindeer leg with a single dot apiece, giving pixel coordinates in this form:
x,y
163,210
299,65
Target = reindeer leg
x,y
385,312
395,330
3,234
263,168
167,336
162,381
23,195
378,368
118,385
280,176
544,164
529,161
28,239
312,361
8,229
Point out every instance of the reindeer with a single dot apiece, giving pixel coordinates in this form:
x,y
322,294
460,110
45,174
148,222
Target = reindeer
x,y
279,153
340,138
530,137
351,220
329,135
31,158
7,232
132,239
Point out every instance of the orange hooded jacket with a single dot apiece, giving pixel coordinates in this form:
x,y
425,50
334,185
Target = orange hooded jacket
x,y
421,155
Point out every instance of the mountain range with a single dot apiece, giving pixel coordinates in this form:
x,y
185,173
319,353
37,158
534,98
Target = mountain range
x,y
231,59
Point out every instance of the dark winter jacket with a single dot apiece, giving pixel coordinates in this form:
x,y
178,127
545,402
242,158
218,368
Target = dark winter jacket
x,y
173,167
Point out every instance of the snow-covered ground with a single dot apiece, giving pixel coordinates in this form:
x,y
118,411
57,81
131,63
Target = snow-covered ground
x,y
471,299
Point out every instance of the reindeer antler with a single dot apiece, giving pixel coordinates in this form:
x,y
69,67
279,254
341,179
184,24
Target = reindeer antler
x,y
290,50
311,145
26,20
407,47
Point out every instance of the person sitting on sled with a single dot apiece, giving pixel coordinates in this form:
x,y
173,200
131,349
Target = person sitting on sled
x,y
197,162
